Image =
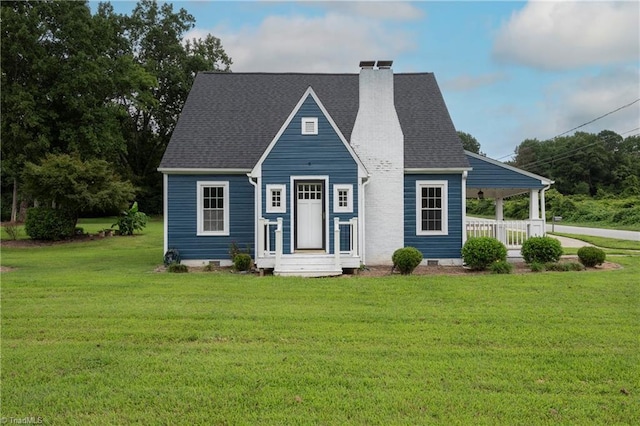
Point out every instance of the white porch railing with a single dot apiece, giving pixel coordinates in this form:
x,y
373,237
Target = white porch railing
x,y
270,241
511,233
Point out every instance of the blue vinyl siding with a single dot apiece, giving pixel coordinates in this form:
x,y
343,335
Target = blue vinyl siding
x,y
182,217
295,154
489,175
435,246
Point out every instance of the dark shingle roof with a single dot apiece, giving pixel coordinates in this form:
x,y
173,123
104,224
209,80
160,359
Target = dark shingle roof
x,y
229,119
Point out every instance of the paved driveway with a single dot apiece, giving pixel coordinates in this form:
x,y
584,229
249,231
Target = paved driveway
x,y
596,232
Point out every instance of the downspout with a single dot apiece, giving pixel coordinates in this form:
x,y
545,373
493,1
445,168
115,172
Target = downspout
x,y
256,214
544,209
165,211
362,210
464,206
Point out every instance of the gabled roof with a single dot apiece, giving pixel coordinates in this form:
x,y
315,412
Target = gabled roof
x,y
229,119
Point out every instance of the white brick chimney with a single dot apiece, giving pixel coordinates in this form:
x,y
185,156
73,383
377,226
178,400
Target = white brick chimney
x,y
378,140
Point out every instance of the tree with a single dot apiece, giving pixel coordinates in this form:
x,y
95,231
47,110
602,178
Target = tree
x,y
64,76
66,182
156,35
470,143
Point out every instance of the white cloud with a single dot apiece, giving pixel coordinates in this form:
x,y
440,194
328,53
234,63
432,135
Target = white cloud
x,y
387,10
329,43
467,82
564,35
570,103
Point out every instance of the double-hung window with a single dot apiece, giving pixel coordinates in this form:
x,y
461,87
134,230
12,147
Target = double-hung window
x,y
431,207
213,208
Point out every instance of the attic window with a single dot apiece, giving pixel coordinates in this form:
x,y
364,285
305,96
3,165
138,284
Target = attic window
x,y
309,125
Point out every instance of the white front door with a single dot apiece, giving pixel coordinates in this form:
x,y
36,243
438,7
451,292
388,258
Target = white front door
x,y
309,215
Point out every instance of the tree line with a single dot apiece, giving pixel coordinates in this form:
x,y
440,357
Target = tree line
x,y
585,163
100,91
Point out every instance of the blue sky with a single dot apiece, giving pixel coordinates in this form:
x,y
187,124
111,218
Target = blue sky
x,y
508,70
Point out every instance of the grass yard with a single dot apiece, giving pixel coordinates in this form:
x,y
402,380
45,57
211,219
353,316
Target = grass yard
x,y
92,335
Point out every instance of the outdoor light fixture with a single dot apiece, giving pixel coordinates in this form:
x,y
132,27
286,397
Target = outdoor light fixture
x,y
480,195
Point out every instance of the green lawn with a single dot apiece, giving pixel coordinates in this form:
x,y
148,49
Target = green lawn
x,y
92,335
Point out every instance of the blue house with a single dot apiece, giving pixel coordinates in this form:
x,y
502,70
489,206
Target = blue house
x,y
316,173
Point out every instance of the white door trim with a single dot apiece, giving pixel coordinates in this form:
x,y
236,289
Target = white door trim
x,y
293,199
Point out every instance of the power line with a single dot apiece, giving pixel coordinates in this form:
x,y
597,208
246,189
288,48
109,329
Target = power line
x,y
569,153
587,123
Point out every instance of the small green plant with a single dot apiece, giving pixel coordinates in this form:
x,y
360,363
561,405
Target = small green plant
x,y
480,252
501,267
563,266
591,256
44,223
209,267
13,230
177,268
541,249
406,259
536,266
235,250
131,220
242,262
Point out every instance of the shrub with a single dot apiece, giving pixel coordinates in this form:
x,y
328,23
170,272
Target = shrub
x,y
536,266
235,250
13,230
478,253
406,259
131,220
591,256
541,249
501,267
177,268
44,223
242,262
563,266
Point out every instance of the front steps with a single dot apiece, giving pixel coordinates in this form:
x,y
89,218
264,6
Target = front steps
x,y
312,265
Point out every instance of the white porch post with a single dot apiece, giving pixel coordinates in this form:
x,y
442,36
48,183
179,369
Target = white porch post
x,y
336,243
260,244
278,244
536,227
543,207
501,230
354,237
534,205
499,208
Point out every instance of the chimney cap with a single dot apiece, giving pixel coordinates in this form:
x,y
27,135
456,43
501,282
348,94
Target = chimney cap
x,y
385,64
367,64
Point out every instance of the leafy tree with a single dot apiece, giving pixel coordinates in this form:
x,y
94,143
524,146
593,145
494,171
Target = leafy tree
x,y
156,35
69,183
64,75
470,143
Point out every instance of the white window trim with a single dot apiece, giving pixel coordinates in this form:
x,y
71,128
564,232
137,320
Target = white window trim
x,y
336,204
200,185
306,120
283,199
445,206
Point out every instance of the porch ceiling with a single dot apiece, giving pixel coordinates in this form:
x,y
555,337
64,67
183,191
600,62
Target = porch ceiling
x,y
493,193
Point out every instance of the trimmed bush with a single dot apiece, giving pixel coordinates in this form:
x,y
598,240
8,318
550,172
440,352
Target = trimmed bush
x,y
591,256
242,262
479,253
406,259
177,268
501,267
44,223
541,249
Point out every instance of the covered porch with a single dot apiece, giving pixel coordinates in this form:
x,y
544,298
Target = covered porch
x,y
491,179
